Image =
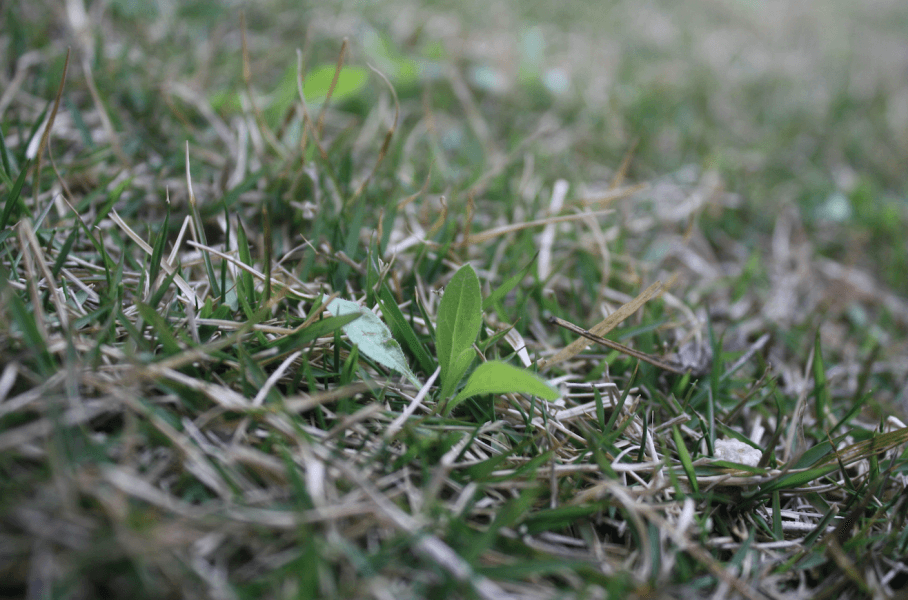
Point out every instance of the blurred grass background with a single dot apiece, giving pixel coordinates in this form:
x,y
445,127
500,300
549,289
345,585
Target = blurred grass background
x,y
773,136
801,104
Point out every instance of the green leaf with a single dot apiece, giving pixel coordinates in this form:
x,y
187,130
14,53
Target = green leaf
x,y
495,377
459,319
373,337
350,81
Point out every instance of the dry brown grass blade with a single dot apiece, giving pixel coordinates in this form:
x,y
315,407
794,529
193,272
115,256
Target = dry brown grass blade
x,y
337,70
19,75
383,151
490,234
606,325
499,161
625,165
240,432
471,213
702,555
795,442
195,460
284,287
440,221
32,282
655,361
266,234
877,445
189,293
25,229
45,135
422,190
306,402
308,126
613,194
547,238
247,79
431,547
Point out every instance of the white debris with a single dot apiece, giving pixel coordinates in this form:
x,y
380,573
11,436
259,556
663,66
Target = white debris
x,y
737,451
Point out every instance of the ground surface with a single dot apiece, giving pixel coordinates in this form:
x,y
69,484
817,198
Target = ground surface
x,y
188,410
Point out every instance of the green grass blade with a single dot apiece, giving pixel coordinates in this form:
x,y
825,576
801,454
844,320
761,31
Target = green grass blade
x,y
24,320
158,294
302,337
507,285
611,435
600,408
794,480
821,388
777,516
7,169
65,249
401,329
157,251
247,284
112,198
13,198
686,462
513,512
199,226
161,327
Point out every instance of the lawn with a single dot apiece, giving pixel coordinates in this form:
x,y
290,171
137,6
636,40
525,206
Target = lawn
x,y
399,300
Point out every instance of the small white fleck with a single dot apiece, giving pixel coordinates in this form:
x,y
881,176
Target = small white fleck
x,y
737,451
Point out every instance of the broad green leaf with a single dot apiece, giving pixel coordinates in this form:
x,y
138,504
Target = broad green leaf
x,y
495,377
316,84
373,337
350,81
459,319
383,53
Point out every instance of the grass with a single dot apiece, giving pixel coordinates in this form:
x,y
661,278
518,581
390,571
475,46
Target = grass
x,y
190,246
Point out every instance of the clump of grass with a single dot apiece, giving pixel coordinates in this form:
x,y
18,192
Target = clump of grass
x,y
183,410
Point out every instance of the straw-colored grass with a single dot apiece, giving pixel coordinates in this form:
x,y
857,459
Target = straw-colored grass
x,y
182,413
